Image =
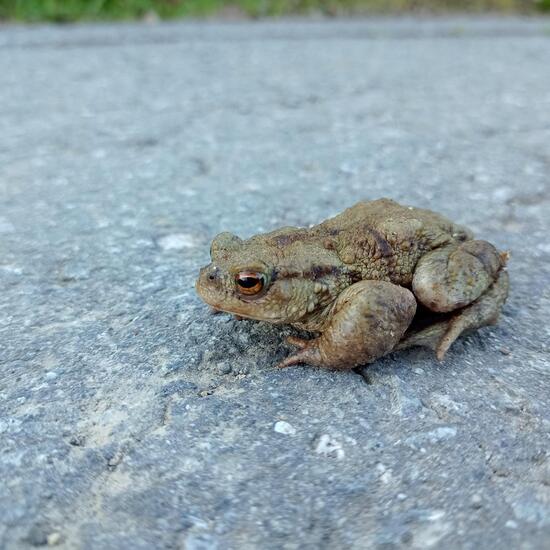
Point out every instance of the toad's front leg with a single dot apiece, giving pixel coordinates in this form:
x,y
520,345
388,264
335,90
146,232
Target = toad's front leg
x,y
368,320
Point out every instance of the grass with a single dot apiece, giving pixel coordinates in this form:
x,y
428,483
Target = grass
x,y
78,10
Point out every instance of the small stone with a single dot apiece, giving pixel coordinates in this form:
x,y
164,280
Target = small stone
x,y
283,427
440,434
223,368
176,241
77,441
73,272
385,474
418,370
51,375
54,539
115,460
443,404
435,515
476,501
348,169
329,447
511,524
386,477
505,351
401,496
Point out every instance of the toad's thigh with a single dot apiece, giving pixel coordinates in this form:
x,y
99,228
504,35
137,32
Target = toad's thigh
x,y
370,317
452,277
367,321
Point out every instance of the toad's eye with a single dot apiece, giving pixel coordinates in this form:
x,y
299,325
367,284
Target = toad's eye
x,y
250,282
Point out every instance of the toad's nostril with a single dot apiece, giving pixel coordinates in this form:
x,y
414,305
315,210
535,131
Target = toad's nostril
x,y
212,273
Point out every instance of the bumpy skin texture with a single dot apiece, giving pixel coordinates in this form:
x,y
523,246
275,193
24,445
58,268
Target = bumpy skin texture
x,y
358,279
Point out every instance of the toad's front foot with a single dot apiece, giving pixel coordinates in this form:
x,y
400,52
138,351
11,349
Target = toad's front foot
x,y
308,353
367,321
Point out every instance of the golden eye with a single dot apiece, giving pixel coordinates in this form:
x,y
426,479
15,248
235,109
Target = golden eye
x,y
250,282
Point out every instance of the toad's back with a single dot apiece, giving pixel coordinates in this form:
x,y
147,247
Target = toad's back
x,y
384,240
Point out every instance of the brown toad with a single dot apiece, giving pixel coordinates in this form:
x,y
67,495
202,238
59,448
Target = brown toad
x,y
378,277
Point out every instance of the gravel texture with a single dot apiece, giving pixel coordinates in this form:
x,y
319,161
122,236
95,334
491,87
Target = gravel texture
x,y
132,418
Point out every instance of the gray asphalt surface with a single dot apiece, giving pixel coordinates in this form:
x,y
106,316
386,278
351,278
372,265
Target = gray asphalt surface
x,y
130,417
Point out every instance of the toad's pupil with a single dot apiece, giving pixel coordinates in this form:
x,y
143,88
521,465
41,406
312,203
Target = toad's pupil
x,y
248,282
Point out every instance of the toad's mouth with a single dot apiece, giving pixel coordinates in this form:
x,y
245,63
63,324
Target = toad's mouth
x,y
218,301
247,315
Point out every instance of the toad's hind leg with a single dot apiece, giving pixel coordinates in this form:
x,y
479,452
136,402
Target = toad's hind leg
x,y
368,319
454,276
484,311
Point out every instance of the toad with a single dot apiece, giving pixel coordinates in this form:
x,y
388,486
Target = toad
x,y
376,278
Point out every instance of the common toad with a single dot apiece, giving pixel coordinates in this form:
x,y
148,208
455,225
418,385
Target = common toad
x,y
376,278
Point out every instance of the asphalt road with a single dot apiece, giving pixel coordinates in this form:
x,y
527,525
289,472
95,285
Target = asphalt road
x,y
130,417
